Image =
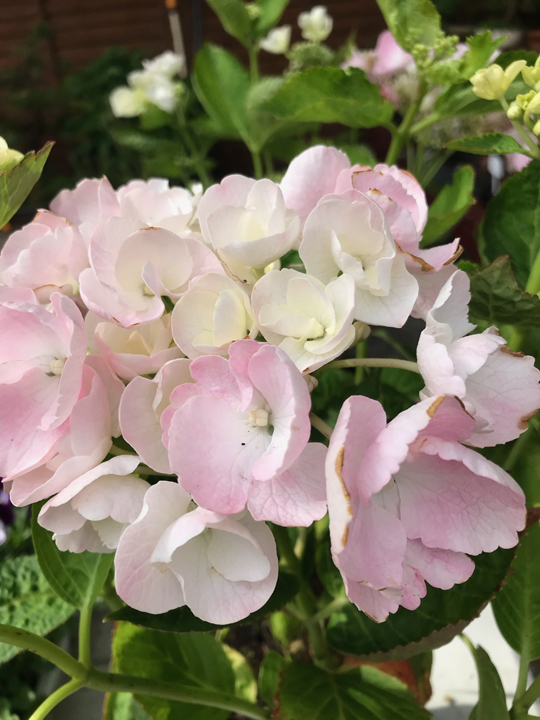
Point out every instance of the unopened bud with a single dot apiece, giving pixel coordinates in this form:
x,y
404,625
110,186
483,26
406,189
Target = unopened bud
x,y
515,112
491,83
362,331
536,129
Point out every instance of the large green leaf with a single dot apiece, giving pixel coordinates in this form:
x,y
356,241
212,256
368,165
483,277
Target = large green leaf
x,y
450,205
234,17
489,144
411,21
75,577
517,606
460,100
491,696
507,58
194,659
16,184
441,616
269,676
481,48
123,706
222,84
330,94
27,601
512,221
497,298
182,620
364,693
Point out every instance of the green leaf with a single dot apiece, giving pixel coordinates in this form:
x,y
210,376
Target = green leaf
x,y
328,573
221,84
75,577
27,601
358,154
269,676
411,21
450,205
235,19
195,660
491,696
364,693
489,144
330,94
481,48
512,221
154,117
270,13
144,143
16,184
459,100
182,620
498,299
123,706
441,616
245,685
517,606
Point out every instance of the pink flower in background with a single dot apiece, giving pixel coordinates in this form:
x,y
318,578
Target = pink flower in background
x,y
91,202
499,388
93,511
130,352
85,440
222,567
408,502
132,268
248,224
245,422
41,367
142,405
45,256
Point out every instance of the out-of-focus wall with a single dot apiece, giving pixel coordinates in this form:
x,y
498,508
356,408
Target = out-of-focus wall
x,y
81,30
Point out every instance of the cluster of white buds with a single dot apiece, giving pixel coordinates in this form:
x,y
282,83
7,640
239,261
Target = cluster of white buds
x,y
315,25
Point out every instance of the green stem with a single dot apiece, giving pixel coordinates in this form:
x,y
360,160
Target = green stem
x,y
44,648
523,676
257,164
433,168
192,149
113,682
335,606
516,452
373,362
403,133
525,701
535,150
53,700
253,52
533,283
320,425
425,123
85,628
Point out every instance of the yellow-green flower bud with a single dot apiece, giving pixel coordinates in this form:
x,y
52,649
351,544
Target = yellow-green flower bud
x,y
531,75
491,83
523,100
254,11
8,158
536,128
534,104
515,112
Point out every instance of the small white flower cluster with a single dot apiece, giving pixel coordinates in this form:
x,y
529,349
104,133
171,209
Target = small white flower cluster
x,y
315,25
154,85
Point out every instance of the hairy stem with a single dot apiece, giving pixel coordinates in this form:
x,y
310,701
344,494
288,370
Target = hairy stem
x,y
85,627
403,132
53,700
320,425
44,648
373,362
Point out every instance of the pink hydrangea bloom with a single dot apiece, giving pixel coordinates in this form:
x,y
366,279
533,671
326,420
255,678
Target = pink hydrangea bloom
x,y
85,440
408,502
89,203
499,388
222,567
239,436
92,512
142,405
248,224
132,268
41,366
46,256
141,350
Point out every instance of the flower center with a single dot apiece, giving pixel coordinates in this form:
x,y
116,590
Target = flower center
x,y
57,365
259,417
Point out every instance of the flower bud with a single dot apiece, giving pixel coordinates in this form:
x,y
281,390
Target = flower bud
x,y
515,112
277,41
126,102
536,129
533,105
316,25
531,75
491,83
8,158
